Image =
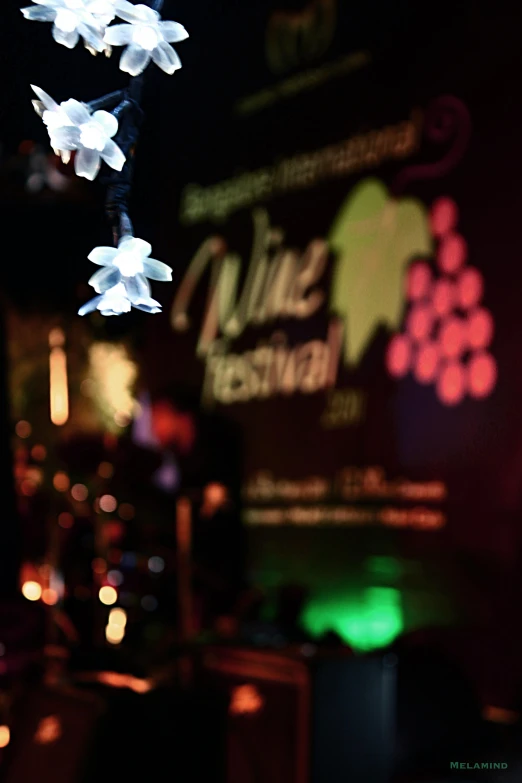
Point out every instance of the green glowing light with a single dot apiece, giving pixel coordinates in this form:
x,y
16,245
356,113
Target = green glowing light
x,y
372,620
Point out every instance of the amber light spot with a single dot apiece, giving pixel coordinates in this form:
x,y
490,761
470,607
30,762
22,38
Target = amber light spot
x,y
246,700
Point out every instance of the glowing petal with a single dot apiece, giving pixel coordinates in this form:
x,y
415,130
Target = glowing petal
x,y
134,60
135,245
173,32
119,35
105,278
157,270
66,39
103,256
113,156
67,138
138,289
166,58
39,14
87,164
47,101
76,111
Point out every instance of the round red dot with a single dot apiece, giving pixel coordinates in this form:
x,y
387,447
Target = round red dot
x,y
451,385
480,328
482,375
418,281
452,253
453,337
444,216
443,299
420,323
427,363
470,288
399,356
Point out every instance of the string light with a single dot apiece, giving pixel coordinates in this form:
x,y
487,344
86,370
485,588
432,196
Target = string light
x,y
108,595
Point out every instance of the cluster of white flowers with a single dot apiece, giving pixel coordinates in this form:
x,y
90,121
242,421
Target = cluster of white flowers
x,y
145,36
122,281
73,127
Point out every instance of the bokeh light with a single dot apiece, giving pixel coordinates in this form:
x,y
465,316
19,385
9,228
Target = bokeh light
x,y
61,481
480,328
126,511
108,503
114,633
105,470
156,564
99,566
50,597
451,385
453,337
427,363
118,617
452,253
108,595
5,736
23,429
80,493
115,578
420,322
444,297
65,520
32,591
482,375
39,453
399,356
470,288
444,216
418,281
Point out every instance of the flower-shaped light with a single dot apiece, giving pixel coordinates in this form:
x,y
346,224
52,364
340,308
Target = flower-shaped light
x,y
71,126
122,281
75,18
146,38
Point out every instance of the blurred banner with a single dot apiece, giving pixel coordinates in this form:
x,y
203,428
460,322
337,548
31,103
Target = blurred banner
x,y
339,203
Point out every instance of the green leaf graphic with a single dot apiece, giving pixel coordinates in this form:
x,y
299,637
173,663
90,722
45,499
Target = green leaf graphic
x,y
374,237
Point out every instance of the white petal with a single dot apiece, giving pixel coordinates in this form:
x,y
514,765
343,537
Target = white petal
x,y
76,111
105,278
157,270
135,245
118,35
91,37
66,39
134,60
130,12
137,287
173,31
148,306
87,163
113,156
47,101
39,14
166,58
108,122
90,306
50,3
67,138
103,256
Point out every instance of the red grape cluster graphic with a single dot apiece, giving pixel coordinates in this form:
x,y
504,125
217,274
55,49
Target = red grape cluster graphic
x,y
447,332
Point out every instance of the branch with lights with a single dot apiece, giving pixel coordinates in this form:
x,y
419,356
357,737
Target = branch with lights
x,y
98,136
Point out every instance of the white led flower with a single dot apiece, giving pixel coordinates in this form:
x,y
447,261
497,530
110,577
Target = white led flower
x,y
124,277
146,38
75,18
71,126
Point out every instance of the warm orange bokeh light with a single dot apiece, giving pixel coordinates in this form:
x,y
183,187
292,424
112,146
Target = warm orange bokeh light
x,y
23,429
80,492
246,700
66,520
61,481
50,597
99,566
126,511
105,470
108,595
5,736
108,503
32,591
